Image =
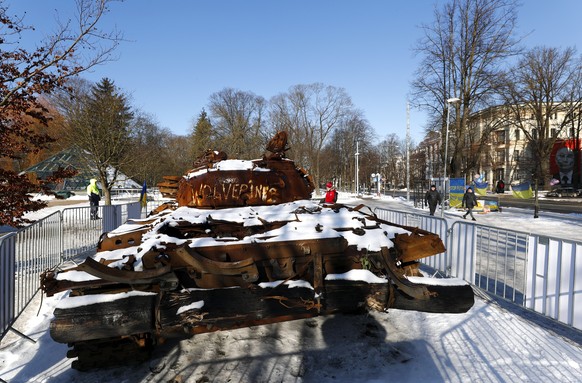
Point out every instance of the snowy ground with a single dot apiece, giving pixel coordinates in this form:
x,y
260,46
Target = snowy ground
x,y
493,342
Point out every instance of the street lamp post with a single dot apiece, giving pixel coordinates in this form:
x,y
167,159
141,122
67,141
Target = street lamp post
x,y
378,180
357,167
450,101
407,152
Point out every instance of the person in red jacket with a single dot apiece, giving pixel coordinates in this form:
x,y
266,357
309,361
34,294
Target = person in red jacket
x,y
331,193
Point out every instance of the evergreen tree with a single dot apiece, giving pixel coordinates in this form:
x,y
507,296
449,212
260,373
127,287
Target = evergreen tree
x,y
103,129
201,135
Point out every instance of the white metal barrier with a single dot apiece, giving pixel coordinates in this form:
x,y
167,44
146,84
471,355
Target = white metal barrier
x,y
554,288
37,248
433,224
500,261
80,232
541,273
46,243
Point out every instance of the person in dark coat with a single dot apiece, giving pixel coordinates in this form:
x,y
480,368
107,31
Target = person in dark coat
x,y
469,201
432,199
500,188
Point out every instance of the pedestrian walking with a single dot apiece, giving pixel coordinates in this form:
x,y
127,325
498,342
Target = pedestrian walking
x,y
432,198
500,187
469,202
94,197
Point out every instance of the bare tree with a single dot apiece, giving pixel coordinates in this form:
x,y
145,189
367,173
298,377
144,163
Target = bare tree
x,y
290,111
392,155
542,85
176,157
419,166
338,156
462,51
150,152
574,119
311,113
27,74
479,140
239,128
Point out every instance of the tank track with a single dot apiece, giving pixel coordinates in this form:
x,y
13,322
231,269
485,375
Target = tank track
x,y
110,352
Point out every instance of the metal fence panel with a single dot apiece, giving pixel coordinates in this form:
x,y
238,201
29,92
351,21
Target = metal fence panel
x,y
45,244
38,247
134,211
7,282
80,232
498,258
555,287
433,224
541,273
461,246
112,217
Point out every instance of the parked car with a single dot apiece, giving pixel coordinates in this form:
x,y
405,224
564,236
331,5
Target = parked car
x,y
564,192
63,194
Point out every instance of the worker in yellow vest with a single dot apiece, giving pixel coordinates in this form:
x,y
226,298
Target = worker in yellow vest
x,y
94,197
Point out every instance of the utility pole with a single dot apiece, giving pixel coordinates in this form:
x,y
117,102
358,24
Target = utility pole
x,y
407,151
450,101
357,165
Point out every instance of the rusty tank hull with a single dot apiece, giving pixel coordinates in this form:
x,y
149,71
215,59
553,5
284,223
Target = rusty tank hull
x,y
196,266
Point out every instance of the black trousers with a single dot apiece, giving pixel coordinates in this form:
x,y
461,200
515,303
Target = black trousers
x,y
94,203
432,208
469,211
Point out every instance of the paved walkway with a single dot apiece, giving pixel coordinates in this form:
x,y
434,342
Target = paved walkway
x,y
65,202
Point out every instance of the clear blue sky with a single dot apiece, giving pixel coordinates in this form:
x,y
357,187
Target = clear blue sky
x,y
180,52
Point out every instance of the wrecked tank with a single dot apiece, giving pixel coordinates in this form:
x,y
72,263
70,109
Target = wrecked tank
x,y
242,244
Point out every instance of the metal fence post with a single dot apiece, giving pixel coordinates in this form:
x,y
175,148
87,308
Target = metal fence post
x,y
7,282
111,215
134,210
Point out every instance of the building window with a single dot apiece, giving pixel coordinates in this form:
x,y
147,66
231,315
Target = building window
x,y
554,133
516,155
534,134
500,156
500,137
517,134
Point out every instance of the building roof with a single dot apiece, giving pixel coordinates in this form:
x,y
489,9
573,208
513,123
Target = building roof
x,y
71,158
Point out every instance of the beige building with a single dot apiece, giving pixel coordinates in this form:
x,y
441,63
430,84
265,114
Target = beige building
x,y
504,150
495,148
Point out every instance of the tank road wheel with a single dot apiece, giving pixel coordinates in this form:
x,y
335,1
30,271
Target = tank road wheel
x,y
110,352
